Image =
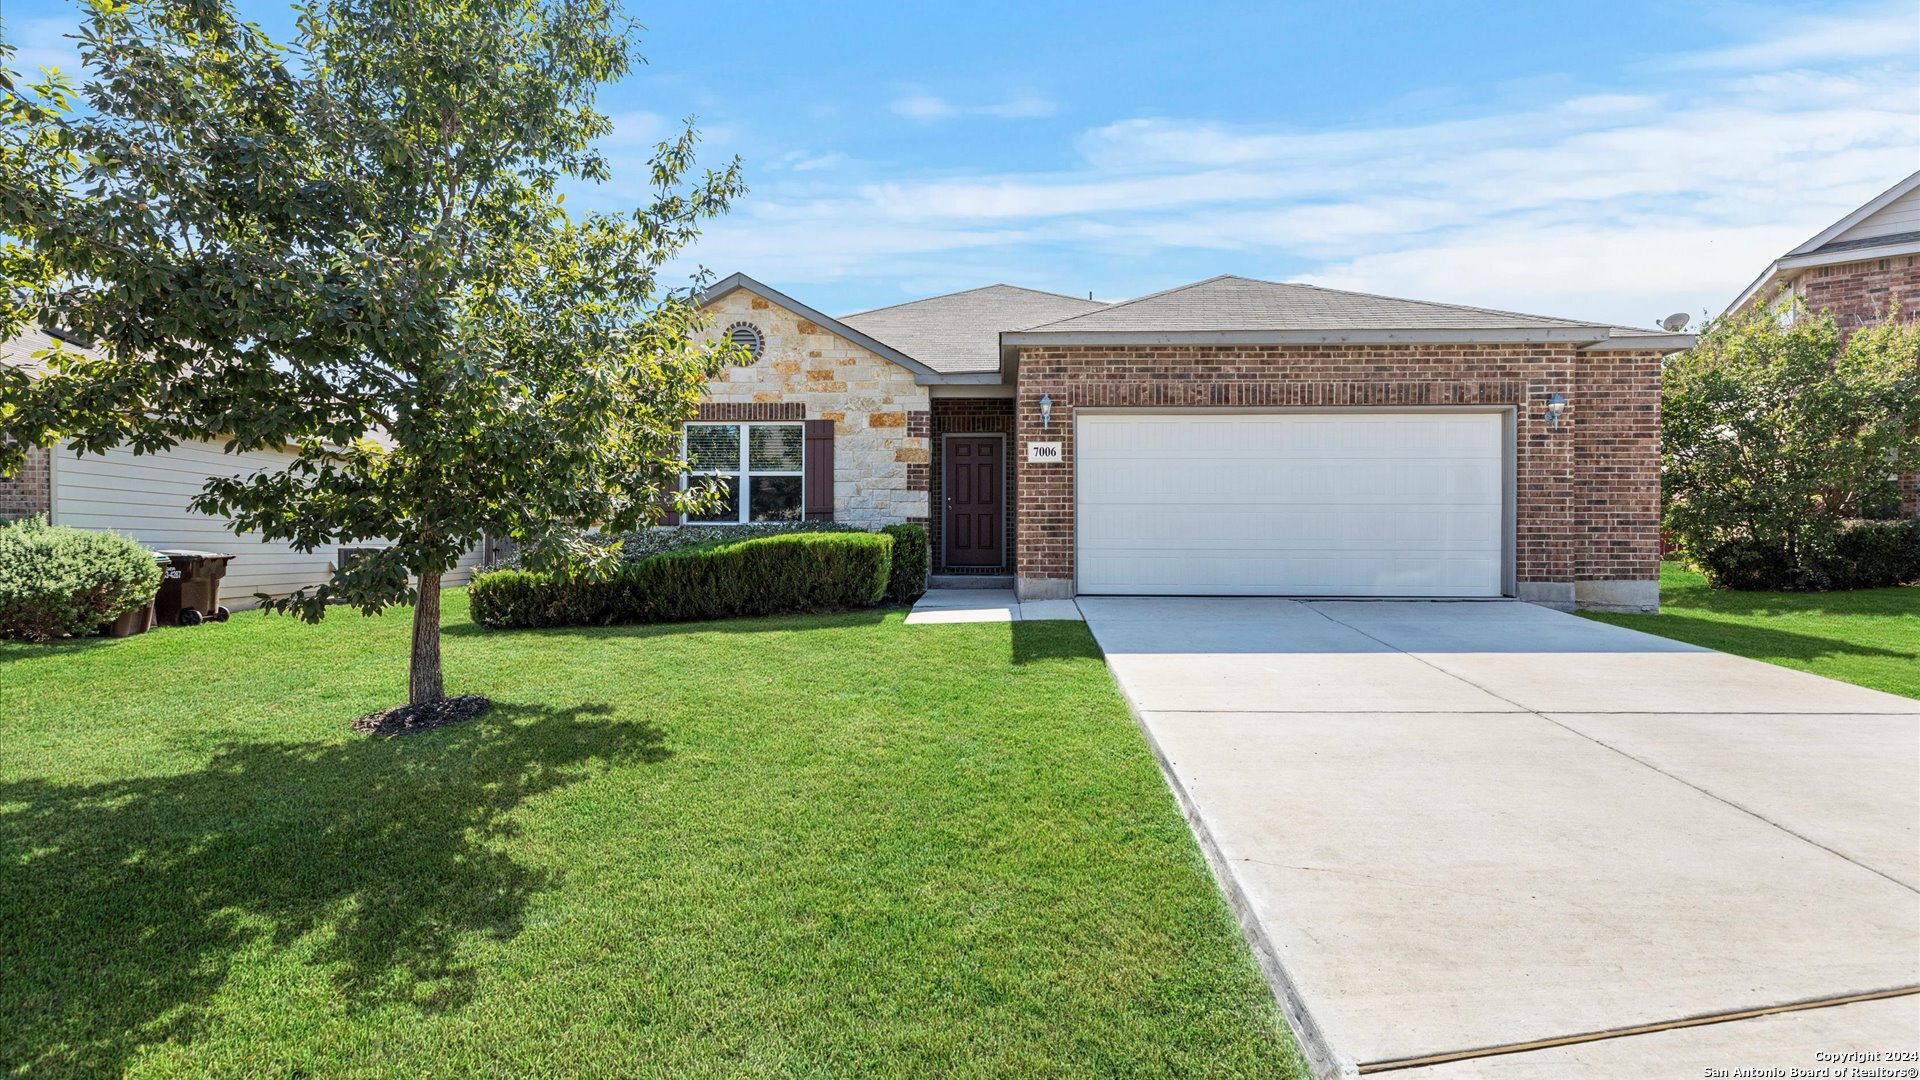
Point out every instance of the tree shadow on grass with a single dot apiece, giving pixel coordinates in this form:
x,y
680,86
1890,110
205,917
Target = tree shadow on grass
x,y
745,624
1747,639
125,904
1875,602
1062,639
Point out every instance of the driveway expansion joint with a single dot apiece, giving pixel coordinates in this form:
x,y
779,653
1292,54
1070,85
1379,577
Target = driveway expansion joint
x,y
1397,1064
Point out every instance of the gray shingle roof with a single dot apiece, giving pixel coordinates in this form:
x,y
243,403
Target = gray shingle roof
x,y
1867,242
961,331
1229,303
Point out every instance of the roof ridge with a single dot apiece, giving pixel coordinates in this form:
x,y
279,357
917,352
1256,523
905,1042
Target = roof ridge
x,y
1148,296
1436,303
963,292
1423,309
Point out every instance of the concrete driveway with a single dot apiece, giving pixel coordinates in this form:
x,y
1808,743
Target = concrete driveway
x,y
1489,839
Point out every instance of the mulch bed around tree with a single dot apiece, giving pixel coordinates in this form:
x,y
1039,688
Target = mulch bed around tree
x,y
414,719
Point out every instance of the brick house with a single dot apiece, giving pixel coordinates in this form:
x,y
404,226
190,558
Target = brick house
x,y
1859,268
1229,437
1856,267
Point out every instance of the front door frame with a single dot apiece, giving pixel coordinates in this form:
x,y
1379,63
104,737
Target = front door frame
x,y
946,530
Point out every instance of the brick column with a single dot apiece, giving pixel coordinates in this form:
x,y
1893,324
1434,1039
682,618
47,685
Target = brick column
x,y
29,491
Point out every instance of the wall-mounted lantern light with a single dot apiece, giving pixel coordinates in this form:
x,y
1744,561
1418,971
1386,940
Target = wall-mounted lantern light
x,y
1556,405
1046,410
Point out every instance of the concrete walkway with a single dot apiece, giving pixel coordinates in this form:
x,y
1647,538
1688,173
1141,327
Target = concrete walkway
x,y
986,605
1488,839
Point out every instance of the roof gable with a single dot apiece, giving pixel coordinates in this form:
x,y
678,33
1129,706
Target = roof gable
x,y
960,332
922,373
1893,211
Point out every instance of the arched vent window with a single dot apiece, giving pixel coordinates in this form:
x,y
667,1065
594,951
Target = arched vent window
x,y
747,336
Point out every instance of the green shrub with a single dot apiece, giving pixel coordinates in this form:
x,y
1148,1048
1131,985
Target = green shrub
x,y
1871,555
646,543
770,575
1774,435
911,563
1856,555
56,581
1746,564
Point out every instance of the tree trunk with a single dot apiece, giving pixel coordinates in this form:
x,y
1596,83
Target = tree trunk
x,y
423,673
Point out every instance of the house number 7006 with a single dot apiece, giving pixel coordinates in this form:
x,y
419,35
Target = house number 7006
x,y
1043,451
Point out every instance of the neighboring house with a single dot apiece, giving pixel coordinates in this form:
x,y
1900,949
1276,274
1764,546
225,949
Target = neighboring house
x,y
145,496
1229,437
1859,268
1856,268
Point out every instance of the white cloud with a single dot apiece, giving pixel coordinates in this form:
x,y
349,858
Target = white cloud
x,y
923,107
1623,205
1020,107
1632,274
638,128
803,162
43,43
1894,32
927,108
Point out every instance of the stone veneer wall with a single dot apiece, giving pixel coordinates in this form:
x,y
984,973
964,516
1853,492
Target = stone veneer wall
x,y
1587,495
870,399
973,416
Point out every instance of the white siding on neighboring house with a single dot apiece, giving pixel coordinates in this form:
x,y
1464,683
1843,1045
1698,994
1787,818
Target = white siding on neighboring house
x,y
1902,215
145,497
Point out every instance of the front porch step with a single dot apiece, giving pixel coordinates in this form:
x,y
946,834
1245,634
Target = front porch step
x,y
970,581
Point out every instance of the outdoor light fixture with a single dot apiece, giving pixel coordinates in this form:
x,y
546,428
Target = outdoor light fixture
x,y
1556,405
1046,410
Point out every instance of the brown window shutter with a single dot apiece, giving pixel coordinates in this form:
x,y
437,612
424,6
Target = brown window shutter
x,y
667,515
819,470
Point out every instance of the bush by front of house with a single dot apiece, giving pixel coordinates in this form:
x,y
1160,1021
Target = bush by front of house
x,y
1778,437
1853,555
785,573
56,581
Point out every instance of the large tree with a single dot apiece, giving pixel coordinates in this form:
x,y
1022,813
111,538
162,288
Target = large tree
x,y
1777,431
354,247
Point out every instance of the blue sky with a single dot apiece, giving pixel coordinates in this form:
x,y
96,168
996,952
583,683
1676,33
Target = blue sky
x,y
1616,160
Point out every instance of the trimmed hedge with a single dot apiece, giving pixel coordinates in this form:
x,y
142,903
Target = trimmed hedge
x,y
1873,555
1861,555
56,581
912,562
646,543
771,575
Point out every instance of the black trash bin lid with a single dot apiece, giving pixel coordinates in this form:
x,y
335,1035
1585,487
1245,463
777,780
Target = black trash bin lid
x,y
181,555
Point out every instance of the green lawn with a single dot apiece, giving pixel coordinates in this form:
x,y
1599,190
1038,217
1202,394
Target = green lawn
x,y
820,846
1870,637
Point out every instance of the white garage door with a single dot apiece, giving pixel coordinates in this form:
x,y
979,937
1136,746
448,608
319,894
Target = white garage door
x,y
1295,504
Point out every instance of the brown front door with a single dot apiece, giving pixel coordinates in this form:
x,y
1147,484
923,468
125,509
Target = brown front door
x,y
976,532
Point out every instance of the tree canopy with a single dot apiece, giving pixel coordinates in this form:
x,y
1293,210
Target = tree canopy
x,y
354,247
1776,432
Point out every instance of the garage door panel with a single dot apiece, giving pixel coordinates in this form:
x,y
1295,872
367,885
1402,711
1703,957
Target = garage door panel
x,y
1145,527
1203,482
1254,574
1399,504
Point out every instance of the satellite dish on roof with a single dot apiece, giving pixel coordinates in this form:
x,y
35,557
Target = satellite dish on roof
x,y
1675,322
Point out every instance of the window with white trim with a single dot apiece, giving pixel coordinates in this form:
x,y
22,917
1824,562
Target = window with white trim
x,y
759,466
